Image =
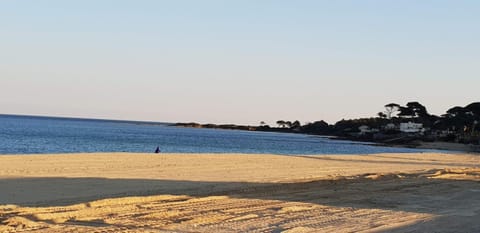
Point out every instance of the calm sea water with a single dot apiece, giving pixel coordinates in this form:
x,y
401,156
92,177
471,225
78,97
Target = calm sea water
x,y
29,135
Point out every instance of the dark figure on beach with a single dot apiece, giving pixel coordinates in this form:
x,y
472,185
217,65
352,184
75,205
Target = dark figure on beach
x,y
157,150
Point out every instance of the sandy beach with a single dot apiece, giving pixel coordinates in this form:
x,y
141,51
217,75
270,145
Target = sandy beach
x,y
125,192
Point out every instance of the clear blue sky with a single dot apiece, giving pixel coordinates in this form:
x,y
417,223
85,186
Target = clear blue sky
x,y
236,61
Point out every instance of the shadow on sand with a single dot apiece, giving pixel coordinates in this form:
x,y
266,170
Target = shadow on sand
x,y
401,192
410,161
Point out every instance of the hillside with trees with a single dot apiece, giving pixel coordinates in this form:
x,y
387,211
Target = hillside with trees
x,y
396,124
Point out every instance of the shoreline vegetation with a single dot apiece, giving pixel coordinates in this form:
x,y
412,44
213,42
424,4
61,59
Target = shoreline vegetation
x,y
401,126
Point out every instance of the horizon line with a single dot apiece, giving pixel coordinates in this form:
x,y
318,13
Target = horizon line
x,y
84,118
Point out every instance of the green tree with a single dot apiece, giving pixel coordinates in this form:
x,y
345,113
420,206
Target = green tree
x,y
289,124
391,109
406,112
382,115
474,108
418,109
296,124
281,123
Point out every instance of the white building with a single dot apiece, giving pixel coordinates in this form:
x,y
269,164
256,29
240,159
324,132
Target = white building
x,y
390,126
364,129
411,127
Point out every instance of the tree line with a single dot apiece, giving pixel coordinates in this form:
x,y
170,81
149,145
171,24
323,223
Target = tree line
x,y
459,124
458,121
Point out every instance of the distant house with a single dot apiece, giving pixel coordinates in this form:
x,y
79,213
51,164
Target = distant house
x,y
411,127
364,129
390,126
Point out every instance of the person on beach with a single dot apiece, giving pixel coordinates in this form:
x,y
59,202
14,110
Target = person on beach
x,y
157,150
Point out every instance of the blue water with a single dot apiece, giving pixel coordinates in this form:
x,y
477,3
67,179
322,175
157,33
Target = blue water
x,y
32,135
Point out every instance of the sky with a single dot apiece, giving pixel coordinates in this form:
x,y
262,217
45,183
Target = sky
x,y
236,62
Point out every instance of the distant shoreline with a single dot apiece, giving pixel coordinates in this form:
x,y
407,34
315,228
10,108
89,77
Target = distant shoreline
x,y
414,144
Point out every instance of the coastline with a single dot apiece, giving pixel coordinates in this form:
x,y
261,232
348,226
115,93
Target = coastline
x,y
459,147
238,192
415,144
448,147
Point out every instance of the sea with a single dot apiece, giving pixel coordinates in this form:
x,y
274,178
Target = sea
x,y
46,135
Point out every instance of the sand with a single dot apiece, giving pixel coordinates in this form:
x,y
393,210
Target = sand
x,y
125,192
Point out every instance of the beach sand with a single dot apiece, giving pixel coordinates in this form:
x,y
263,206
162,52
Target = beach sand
x,y
126,192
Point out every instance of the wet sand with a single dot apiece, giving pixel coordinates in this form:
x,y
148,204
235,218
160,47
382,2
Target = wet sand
x,y
125,192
